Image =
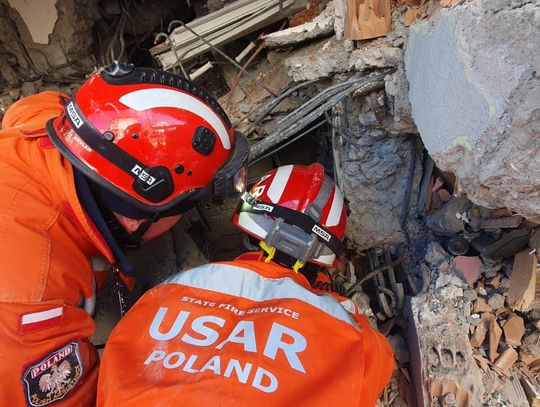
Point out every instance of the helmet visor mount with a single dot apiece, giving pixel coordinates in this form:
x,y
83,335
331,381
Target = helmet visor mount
x,y
153,183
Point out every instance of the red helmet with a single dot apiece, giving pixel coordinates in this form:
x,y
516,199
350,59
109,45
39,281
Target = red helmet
x,y
297,210
152,138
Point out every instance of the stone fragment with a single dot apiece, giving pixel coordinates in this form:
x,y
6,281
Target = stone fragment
x,y
522,281
507,359
470,268
496,301
514,329
451,291
481,291
435,254
443,280
471,295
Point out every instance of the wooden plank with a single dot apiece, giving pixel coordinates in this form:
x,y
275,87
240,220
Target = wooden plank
x,y
367,19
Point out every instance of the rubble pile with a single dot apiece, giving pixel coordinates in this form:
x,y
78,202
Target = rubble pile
x,y
347,82
474,328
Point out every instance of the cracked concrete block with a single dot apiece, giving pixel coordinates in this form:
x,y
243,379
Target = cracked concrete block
x,y
437,364
474,91
322,25
380,57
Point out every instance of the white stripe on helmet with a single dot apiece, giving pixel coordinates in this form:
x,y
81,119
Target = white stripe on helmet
x,y
245,221
245,283
279,183
327,259
335,210
145,99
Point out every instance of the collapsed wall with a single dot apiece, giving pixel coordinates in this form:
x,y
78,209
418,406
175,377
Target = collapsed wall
x,y
475,95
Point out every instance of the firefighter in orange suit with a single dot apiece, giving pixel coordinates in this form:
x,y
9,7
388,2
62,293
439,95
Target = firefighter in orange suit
x,y
115,164
252,331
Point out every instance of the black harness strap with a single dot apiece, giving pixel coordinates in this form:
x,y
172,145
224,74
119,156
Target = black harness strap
x,y
303,221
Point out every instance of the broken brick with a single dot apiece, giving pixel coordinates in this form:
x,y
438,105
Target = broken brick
x,y
470,267
481,305
507,359
514,329
480,333
523,281
495,333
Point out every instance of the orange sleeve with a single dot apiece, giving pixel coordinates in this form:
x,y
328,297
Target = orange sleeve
x,y
46,356
378,362
32,112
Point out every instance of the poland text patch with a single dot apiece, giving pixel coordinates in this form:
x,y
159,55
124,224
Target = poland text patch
x,y
54,376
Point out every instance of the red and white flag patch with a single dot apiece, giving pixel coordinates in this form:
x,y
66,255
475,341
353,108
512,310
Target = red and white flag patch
x,y
38,321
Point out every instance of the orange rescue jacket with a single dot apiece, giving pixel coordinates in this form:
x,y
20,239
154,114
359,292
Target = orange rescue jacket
x,y
46,240
242,333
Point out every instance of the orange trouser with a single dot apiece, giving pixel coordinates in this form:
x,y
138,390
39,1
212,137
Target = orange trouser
x,y
242,333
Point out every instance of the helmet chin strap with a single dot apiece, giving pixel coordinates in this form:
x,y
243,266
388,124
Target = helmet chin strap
x,y
125,239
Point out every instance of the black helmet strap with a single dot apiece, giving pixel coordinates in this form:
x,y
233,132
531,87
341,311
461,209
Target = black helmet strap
x,y
152,183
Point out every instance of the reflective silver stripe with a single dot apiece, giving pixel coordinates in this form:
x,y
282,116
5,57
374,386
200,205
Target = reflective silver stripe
x,y
242,282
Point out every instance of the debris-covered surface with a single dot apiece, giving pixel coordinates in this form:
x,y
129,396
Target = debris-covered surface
x,y
478,341
452,284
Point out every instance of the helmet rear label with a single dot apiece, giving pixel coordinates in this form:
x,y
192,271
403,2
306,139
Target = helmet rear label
x,y
74,116
322,233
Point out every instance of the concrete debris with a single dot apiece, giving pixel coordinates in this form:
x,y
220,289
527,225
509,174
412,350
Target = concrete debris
x,y
447,220
515,393
496,354
470,295
476,116
383,57
322,25
329,57
339,19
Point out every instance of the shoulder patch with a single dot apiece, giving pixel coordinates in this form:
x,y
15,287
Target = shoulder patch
x,y
54,376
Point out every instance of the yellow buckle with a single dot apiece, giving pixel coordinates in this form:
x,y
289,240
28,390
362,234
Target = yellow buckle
x,y
298,265
271,251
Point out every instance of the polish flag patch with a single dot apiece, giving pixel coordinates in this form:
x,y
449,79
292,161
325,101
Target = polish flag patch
x,y
38,321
